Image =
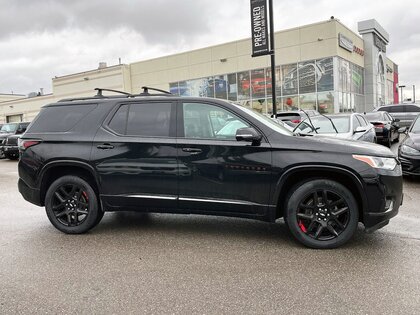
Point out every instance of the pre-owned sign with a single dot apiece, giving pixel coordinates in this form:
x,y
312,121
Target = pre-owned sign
x,y
259,29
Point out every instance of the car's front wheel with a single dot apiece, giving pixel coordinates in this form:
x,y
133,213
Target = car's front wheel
x,y
72,205
321,213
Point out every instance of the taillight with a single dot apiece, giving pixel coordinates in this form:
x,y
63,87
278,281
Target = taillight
x,y
379,125
295,121
23,144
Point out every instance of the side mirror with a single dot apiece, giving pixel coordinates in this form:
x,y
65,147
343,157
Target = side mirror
x,y
360,129
396,120
19,131
248,134
402,130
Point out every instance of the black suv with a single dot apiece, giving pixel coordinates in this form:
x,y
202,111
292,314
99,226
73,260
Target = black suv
x,y
9,148
163,153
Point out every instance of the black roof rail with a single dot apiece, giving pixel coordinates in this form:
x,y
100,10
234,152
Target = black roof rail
x,y
99,94
146,92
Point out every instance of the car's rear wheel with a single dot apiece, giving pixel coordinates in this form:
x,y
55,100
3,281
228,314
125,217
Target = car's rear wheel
x,y
72,205
321,214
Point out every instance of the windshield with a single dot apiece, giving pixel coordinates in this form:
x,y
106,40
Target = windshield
x,y
375,116
324,125
265,120
9,128
416,126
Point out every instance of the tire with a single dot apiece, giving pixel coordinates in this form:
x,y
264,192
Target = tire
x,y
72,205
397,139
388,143
328,225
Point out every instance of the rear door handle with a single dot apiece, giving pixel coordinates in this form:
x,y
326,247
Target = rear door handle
x,y
192,150
105,146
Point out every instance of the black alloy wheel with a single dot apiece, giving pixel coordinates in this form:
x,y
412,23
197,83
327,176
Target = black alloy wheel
x,y
72,205
322,214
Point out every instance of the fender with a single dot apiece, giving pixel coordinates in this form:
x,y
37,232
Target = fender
x,y
314,167
56,163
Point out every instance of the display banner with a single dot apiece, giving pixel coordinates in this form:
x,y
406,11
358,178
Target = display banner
x,y
259,28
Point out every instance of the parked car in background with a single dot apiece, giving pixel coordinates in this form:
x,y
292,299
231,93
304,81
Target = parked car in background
x,y
406,113
386,127
296,116
8,130
10,147
162,153
345,126
409,150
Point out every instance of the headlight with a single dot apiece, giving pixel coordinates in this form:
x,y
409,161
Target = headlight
x,y
409,150
378,162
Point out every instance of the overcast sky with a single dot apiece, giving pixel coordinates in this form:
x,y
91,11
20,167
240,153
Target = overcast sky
x,y
40,39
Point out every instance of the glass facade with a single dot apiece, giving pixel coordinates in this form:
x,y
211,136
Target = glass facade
x,y
350,86
308,85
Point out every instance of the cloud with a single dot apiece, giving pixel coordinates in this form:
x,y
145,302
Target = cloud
x,y
44,38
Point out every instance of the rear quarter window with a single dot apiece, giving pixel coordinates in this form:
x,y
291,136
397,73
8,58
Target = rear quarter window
x,y
60,118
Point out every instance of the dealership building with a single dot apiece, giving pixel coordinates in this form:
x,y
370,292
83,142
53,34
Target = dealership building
x,y
324,66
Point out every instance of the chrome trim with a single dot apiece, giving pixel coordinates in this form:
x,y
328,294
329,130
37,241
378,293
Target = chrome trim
x,y
144,196
235,202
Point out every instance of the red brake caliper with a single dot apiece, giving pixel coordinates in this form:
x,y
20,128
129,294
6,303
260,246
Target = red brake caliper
x,y
85,195
302,227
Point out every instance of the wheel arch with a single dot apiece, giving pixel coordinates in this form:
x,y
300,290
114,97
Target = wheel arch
x,y
57,169
300,174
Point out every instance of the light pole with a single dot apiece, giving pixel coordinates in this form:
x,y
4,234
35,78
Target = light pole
x,y
401,87
414,93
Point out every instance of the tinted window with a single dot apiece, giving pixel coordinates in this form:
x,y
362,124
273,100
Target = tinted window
x,y
395,109
412,108
119,121
204,121
149,119
60,118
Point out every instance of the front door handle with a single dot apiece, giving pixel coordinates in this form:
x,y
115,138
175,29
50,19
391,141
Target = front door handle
x,y
192,150
105,146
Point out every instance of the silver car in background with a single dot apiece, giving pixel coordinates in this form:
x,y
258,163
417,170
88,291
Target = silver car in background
x,y
406,113
345,126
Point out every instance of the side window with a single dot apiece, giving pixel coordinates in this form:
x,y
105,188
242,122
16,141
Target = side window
x,y
205,121
396,109
149,119
118,122
356,122
411,109
362,121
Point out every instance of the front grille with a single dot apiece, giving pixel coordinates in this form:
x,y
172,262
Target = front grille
x,y
11,141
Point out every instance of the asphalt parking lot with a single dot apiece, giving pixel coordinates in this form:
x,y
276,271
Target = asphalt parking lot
x,y
134,263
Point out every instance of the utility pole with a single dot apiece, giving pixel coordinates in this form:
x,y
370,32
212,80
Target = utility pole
x,y
401,92
414,93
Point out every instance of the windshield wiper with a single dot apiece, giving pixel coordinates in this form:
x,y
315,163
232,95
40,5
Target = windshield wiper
x,y
332,123
310,121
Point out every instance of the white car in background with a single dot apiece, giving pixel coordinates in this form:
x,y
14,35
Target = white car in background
x,y
345,126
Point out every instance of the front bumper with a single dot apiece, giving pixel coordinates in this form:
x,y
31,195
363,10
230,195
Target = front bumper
x,y
410,164
384,197
11,150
